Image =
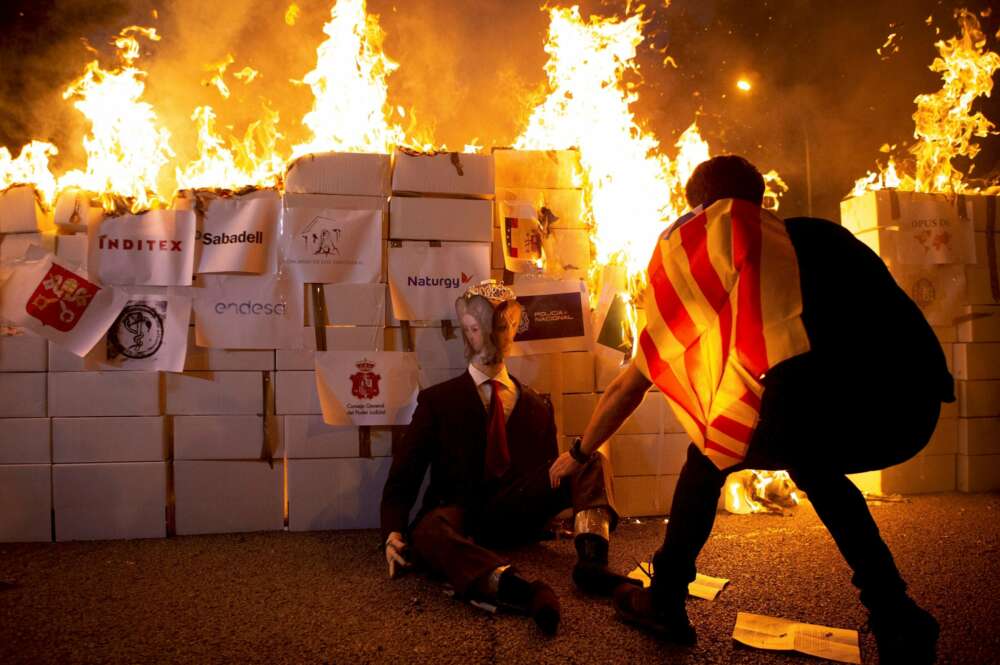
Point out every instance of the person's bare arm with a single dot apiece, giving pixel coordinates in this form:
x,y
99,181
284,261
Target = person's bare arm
x,y
622,397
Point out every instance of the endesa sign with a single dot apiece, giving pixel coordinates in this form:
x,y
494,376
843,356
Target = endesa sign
x,y
152,249
248,312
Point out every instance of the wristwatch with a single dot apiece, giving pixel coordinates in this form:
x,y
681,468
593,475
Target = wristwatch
x,y
576,453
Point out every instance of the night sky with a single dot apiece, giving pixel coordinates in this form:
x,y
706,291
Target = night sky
x,y
468,67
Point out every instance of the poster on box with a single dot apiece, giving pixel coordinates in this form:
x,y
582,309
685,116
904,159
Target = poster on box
x,y
152,249
329,246
939,291
238,235
612,328
522,235
48,298
425,281
555,317
21,210
248,312
149,335
932,232
367,387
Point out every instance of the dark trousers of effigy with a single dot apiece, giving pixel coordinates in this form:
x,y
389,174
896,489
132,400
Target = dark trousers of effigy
x,y
453,541
818,431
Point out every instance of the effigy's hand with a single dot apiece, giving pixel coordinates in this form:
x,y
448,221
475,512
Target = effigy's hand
x,y
395,549
564,466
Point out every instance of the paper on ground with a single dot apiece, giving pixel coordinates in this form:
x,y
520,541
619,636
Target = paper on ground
x,y
763,632
703,586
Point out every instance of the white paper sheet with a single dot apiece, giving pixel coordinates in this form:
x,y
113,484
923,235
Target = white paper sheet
x,y
367,387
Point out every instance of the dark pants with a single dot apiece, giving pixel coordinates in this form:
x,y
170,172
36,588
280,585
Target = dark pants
x,y
819,434
451,540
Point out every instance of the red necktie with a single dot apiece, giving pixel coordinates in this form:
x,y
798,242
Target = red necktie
x,y
497,453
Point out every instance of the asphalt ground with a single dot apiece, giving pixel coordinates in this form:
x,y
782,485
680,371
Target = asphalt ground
x,y
324,597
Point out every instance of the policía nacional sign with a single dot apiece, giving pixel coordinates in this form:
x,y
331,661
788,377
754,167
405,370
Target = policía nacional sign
x,y
555,317
425,280
238,235
330,246
367,387
152,249
248,312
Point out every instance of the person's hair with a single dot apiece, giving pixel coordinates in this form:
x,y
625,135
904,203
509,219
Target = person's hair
x,y
724,177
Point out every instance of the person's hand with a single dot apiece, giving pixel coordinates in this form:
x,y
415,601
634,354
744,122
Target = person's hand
x,y
395,548
564,466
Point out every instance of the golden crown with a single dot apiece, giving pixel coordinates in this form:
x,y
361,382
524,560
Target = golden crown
x,y
494,291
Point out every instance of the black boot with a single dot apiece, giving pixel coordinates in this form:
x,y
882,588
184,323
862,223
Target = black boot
x,y
591,572
537,599
905,633
668,621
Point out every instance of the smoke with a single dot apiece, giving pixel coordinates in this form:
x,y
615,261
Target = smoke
x,y
473,70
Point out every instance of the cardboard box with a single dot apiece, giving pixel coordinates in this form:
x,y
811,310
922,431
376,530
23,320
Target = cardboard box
x,y
944,440
977,361
648,454
110,501
228,496
23,394
578,372
338,338
342,202
86,440
653,416
643,496
979,436
201,359
979,323
891,208
23,353
443,173
920,475
946,334
983,278
335,493
295,393
73,250
979,473
75,209
543,373
549,169
21,211
308,437
978,399
61,360
73,394
558,208
422,218
25,441
14,246
214,393
224,437
431,347
343,173
25,503
349,304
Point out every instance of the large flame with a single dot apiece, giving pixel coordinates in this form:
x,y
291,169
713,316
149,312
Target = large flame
x,y
30,167
752,491
126,148
944,122
349,83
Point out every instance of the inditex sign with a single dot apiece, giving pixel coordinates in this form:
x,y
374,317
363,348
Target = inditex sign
x,y
248,312
152,249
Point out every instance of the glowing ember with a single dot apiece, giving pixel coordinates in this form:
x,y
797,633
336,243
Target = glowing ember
x,y
945,124
126,148
744,85
350,112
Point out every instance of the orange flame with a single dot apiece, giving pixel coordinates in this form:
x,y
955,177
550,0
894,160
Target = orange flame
x,y
126,148
31,167
944,122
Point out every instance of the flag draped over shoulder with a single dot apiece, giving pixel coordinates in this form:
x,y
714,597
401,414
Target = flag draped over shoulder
x,y
723,305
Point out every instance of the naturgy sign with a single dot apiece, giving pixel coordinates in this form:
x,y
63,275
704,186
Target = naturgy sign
x,y
424,280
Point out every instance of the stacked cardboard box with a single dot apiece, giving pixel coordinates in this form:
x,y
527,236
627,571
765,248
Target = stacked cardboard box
x,y
329,484
440,202
943,251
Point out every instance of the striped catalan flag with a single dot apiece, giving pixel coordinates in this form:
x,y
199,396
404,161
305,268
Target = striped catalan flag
x,y
723,305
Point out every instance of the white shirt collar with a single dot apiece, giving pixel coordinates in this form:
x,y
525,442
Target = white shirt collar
x,y
502,376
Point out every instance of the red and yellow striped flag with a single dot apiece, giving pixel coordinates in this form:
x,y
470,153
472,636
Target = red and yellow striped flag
x,y
723,306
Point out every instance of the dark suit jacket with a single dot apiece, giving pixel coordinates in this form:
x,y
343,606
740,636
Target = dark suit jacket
x,y
448,433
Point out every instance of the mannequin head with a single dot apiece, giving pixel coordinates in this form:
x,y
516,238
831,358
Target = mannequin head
x,y
489,315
